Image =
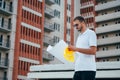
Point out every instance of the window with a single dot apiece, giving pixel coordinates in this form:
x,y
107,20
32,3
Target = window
x,y
8,41
104,36
68,31
5,75
57,2
105,48
56,39
118,59
0,3
107,59
118,46
31,49
22,47
0,57
10,8
117,21
9,23
117,9
104,1
106,24
117,34
25,48
24,65
102,24
57,26
103,60
6,59
104,13
57,13
68,7
4,4
2,22
68,19
1,39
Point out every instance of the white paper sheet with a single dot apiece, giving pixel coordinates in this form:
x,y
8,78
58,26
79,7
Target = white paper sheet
x,y
49,48
58,51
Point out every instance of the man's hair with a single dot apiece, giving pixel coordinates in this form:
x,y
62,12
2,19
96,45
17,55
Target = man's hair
x,y
80,18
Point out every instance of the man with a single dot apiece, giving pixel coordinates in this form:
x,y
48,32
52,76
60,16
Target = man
x,y
85,66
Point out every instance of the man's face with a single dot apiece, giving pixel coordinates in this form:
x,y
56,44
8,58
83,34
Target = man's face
x,y
78,25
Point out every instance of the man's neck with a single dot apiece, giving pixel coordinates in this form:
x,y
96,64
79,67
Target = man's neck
x,y
84,29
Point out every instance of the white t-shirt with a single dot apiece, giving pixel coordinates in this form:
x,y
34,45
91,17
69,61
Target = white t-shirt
x,y
86,62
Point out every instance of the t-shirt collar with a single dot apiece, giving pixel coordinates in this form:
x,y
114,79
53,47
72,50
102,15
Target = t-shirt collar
x,y
84,31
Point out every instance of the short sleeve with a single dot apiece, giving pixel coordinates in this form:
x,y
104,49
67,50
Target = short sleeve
x,y
92,39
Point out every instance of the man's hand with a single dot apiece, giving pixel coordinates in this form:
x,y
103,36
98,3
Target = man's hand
x,y
71,48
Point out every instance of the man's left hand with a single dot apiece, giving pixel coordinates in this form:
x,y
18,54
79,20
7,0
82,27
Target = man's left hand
x,y
72,48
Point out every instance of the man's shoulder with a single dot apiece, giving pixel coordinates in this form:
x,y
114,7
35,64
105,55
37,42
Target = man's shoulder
x,y
91,31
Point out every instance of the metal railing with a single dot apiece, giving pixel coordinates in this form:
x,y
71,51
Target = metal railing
x,y
47,56
49,2
49,26
48,40
49,11
4,62
7,7
6,26
5,44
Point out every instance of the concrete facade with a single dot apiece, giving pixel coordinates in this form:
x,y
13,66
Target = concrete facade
x,y
7,37
107,30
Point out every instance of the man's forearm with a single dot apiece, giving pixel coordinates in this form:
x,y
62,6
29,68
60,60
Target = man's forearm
x,y
86,51
91,51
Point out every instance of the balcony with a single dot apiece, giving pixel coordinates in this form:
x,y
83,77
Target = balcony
x,y
88,15
49,13
48,27
4,63
4,45
47,56
109,53
6,9
107,17
49,2
5,28
109,28
87,4
110,40
107,5
48,40
90,25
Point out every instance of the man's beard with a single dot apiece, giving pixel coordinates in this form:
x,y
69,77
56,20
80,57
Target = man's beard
x,y
80,29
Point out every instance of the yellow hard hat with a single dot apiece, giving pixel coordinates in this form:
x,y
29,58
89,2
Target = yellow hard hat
x,y
69,55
